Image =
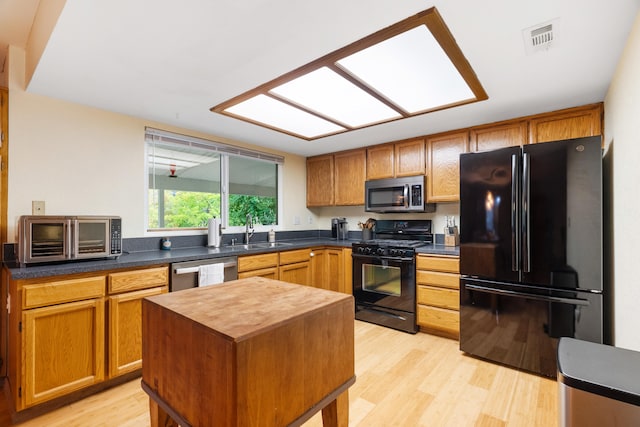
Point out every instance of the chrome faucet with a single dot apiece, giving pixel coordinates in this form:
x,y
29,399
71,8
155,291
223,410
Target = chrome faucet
x,y
248,226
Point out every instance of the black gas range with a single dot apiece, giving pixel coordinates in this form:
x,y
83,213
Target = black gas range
x,y
387,247
384,269
396,238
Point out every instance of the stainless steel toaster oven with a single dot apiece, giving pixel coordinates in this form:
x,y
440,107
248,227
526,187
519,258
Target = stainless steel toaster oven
x,y
47,238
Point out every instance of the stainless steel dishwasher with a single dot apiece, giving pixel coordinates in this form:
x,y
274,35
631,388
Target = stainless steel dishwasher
x,y
184,275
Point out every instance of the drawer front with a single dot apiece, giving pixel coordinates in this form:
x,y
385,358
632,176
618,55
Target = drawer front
x,y
50,293
269,273
439,318
434,278
439,297
255,262
451,265
138,279
291,257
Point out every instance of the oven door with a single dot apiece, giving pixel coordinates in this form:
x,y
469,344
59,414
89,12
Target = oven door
x,y
44,239
385,291
91,237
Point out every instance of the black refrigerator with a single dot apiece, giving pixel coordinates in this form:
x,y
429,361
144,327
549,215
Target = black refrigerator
x,y
531,251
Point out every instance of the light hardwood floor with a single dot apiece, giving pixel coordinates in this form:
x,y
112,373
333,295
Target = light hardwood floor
x,y
402,380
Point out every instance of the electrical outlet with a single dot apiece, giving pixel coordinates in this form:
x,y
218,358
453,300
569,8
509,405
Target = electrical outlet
x,y
37,207
296,220
310,219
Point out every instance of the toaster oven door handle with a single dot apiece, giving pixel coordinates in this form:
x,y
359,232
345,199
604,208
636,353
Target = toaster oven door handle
x,y
69,251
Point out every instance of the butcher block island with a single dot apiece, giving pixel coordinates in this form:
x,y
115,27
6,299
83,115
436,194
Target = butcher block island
x,y
249,352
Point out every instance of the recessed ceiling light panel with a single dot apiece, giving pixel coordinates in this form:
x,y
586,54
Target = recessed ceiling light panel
x,y
276,114
410,68
330,94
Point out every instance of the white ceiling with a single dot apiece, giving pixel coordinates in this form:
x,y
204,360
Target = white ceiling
x,y
171,61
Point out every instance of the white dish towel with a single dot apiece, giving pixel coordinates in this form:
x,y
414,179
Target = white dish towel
x,y
210,274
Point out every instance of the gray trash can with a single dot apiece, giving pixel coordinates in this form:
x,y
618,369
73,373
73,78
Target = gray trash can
x,y
599,385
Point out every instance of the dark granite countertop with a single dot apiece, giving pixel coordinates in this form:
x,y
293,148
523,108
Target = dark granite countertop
x,y
155,257
438,249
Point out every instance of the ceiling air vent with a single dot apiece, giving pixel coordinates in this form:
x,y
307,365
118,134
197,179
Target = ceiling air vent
x,y
540,37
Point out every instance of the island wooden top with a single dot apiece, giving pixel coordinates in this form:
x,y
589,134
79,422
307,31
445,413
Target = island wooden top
x,y
247,307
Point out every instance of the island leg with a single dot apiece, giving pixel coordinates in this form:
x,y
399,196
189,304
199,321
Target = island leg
x,y
336,413
159,418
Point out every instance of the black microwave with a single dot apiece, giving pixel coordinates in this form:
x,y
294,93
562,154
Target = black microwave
x,y
406,194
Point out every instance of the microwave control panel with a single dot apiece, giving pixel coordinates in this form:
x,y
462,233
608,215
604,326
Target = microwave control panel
x,y
116,236
416,195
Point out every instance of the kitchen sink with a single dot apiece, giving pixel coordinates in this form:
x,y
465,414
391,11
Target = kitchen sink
x,y
265,245
269,245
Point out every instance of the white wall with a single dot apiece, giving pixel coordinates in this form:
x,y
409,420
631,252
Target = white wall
x,y
355,214
622,135
82,160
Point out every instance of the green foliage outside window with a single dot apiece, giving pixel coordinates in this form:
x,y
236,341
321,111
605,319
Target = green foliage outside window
x,y
262,209
187,209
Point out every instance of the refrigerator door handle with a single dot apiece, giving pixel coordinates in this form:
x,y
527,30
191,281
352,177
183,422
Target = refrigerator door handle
x,y
515,228
526,199
562,300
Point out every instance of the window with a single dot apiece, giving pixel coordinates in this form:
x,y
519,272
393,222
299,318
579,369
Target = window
x,y
412,67
191,180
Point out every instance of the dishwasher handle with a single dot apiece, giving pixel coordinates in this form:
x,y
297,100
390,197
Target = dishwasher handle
x,y
187,270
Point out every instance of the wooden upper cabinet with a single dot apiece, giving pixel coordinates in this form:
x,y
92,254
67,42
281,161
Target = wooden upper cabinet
x,y
404,158
320,181
409,158
566,124
443,154
485,138
381,161
350,174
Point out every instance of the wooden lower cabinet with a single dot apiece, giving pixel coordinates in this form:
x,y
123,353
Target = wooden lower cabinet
x,y
438,294
321,267
269,273
63,348
262,265
125,330
125,315
295,266
327,269
63,338
299,273
347,266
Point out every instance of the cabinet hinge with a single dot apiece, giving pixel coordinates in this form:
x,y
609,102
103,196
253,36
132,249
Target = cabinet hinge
x,y
19,391
19,326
